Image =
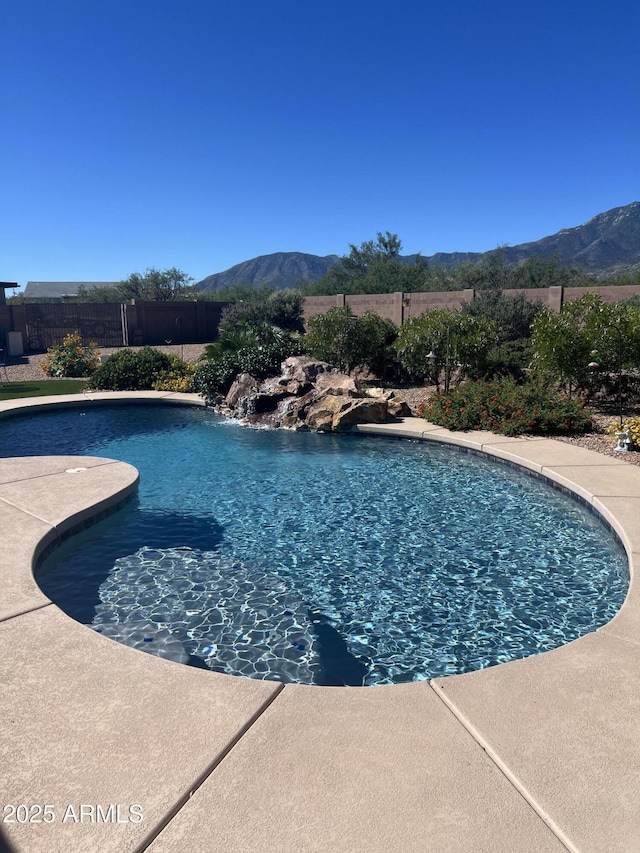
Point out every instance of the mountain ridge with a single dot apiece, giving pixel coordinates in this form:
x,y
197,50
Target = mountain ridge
x,y
607,243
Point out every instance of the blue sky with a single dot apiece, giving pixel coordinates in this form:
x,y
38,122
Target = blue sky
x,y
201,133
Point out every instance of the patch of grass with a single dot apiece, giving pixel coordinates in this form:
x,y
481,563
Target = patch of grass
x,y
41,388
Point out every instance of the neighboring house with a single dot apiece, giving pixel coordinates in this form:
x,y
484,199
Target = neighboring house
x,y
60,289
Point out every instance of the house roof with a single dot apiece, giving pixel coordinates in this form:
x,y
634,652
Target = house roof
x,y
58,289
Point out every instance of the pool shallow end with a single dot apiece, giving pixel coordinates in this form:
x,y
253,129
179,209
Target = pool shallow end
x,y
43,500
538,754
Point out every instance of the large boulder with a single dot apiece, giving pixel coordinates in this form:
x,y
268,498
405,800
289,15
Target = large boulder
x,y
338,384
283,385
338,413
396,406
360,411
320,414
303,369
243,386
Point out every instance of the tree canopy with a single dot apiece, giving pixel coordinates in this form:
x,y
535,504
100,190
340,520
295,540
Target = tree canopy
x,y
586,334
373,267
376,266
349,342
155,285
442,342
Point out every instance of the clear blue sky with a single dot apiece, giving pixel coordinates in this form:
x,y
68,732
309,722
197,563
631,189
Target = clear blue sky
x,y
201,133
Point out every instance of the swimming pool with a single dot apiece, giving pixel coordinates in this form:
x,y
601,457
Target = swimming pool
x,y
321,559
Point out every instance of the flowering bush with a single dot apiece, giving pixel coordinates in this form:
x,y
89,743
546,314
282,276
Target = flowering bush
x,y
504,407
70,358
177,378
634,429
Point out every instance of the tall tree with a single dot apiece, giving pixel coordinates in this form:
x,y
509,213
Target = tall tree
x,y
156,285
374,267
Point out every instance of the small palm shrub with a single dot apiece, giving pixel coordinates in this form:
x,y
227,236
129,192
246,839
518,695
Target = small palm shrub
x,y
503,406
130,370
258,351
70,358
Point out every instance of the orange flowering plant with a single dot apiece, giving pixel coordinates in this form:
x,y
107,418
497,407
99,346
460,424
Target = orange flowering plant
x,y
503,406
71,358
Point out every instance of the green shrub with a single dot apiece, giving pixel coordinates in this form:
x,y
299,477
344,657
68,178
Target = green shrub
x,y
128,370
213,377
258,351
504,407
442,343
512,313
179,377
510,358
282,308
348,342
586,334
70,359
378,335
334,337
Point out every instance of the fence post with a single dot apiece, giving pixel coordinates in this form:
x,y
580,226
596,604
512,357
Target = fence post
x,y
124,326
201,321
398,308
556,298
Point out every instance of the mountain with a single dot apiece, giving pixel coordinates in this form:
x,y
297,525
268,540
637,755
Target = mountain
x,y
608,243
280,270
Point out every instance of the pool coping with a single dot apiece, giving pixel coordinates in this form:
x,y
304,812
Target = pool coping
x,y
550,741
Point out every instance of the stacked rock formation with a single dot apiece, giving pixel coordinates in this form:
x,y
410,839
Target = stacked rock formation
x,y
308,394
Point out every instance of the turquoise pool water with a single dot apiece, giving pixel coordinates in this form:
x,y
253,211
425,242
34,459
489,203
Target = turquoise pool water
x,y
321,559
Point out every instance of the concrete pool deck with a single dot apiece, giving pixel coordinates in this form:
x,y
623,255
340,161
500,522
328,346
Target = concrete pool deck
x,y
131,753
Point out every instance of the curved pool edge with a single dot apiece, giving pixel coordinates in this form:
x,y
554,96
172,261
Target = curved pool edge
x,y
560,727
43,500
608,486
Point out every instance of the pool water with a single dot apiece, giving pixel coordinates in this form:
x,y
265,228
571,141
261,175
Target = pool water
x,y
321,559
